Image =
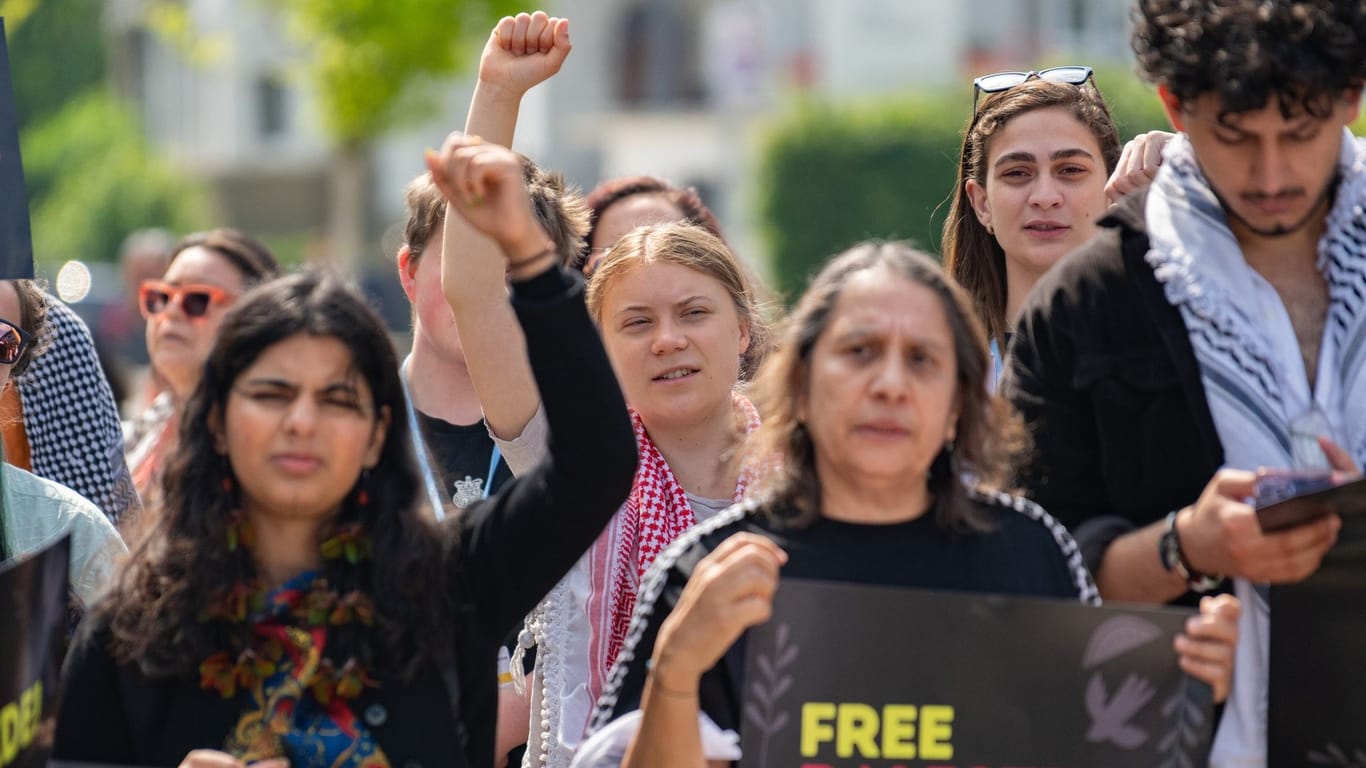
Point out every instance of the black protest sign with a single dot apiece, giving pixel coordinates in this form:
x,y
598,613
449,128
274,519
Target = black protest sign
x,y
1316,710
871,677
33,602
16,242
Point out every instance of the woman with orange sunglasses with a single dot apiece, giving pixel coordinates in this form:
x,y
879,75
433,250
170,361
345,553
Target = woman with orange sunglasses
x,y
206,273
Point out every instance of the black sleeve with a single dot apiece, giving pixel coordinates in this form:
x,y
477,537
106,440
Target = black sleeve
x,y
91,724
1063,472
516,545
1096,535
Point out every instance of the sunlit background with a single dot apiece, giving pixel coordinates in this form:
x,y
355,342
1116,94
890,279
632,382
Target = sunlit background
x,y
805,124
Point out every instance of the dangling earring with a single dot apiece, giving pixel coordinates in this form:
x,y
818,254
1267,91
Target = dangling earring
x,y
227,483
363,495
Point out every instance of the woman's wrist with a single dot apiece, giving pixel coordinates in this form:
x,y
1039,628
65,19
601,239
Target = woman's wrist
x,y
522,267
666,678
497,93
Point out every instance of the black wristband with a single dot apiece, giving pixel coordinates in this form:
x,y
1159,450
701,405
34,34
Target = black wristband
x,y
1172,557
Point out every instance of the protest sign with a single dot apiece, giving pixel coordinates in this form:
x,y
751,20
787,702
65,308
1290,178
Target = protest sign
x,y
16,242
1316,709
33,604
855,676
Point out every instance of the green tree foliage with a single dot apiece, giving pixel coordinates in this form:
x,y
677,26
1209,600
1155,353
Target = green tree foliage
x,y
89,174
374,64
56,52
92,180
832,174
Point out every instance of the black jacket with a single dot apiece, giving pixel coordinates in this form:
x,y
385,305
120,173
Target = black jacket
x,y
502,556
1102,370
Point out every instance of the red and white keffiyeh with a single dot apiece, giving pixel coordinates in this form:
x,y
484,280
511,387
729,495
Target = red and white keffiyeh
x,y
580,627
656,513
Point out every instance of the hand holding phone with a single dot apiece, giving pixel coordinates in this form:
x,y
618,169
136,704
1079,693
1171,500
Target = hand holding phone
x,y
1289,498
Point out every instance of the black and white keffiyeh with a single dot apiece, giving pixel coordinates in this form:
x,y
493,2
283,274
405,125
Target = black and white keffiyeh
x,y
71,418
1253,375
1256,388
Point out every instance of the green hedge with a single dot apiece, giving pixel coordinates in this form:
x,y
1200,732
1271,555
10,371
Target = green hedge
x,y
92,180
832,174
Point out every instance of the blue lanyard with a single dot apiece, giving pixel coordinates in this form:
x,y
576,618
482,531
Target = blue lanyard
x,y
420,450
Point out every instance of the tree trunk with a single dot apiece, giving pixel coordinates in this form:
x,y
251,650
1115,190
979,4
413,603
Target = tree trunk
x,y
349,210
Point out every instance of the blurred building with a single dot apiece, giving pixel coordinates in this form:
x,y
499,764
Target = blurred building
x,y
669,87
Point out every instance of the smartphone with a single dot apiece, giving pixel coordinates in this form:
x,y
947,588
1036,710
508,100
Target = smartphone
x,y
1288,498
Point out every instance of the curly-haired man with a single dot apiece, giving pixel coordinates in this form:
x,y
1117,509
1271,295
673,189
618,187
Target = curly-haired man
x,y
1217,325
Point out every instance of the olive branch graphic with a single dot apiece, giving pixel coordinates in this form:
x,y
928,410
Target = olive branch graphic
x,y
772,682
1187,722
1333,755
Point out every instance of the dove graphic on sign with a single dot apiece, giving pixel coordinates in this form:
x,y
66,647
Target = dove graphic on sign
x,y
1111,712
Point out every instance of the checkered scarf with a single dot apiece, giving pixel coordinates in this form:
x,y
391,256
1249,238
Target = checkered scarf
x,y
656,513
70,416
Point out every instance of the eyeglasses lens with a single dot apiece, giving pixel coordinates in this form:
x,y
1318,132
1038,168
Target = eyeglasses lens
x,y
195,303
1004,81
11,346
154,301
1001,81
1070,75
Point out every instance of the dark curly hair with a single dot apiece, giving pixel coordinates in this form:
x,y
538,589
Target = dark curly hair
x,y
184,564
1303,53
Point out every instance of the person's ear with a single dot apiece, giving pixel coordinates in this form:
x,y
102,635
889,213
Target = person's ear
x,y
377,437
1172,106
977,195
744,335
1353,99
407,272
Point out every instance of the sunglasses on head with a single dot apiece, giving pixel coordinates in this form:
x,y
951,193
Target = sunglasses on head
x,y
155,296
1004,81
14,341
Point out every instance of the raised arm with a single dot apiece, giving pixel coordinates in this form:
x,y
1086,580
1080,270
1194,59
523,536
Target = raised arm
x,y
523,540
520,53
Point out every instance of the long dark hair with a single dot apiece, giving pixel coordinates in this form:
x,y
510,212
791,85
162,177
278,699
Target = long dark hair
x,y
185,564
971,254
989,435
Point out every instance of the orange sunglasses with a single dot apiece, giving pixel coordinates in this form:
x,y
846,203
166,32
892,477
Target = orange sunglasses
x,y
195,299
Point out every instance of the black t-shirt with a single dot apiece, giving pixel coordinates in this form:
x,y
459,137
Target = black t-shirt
x,y
459,455
1026,554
